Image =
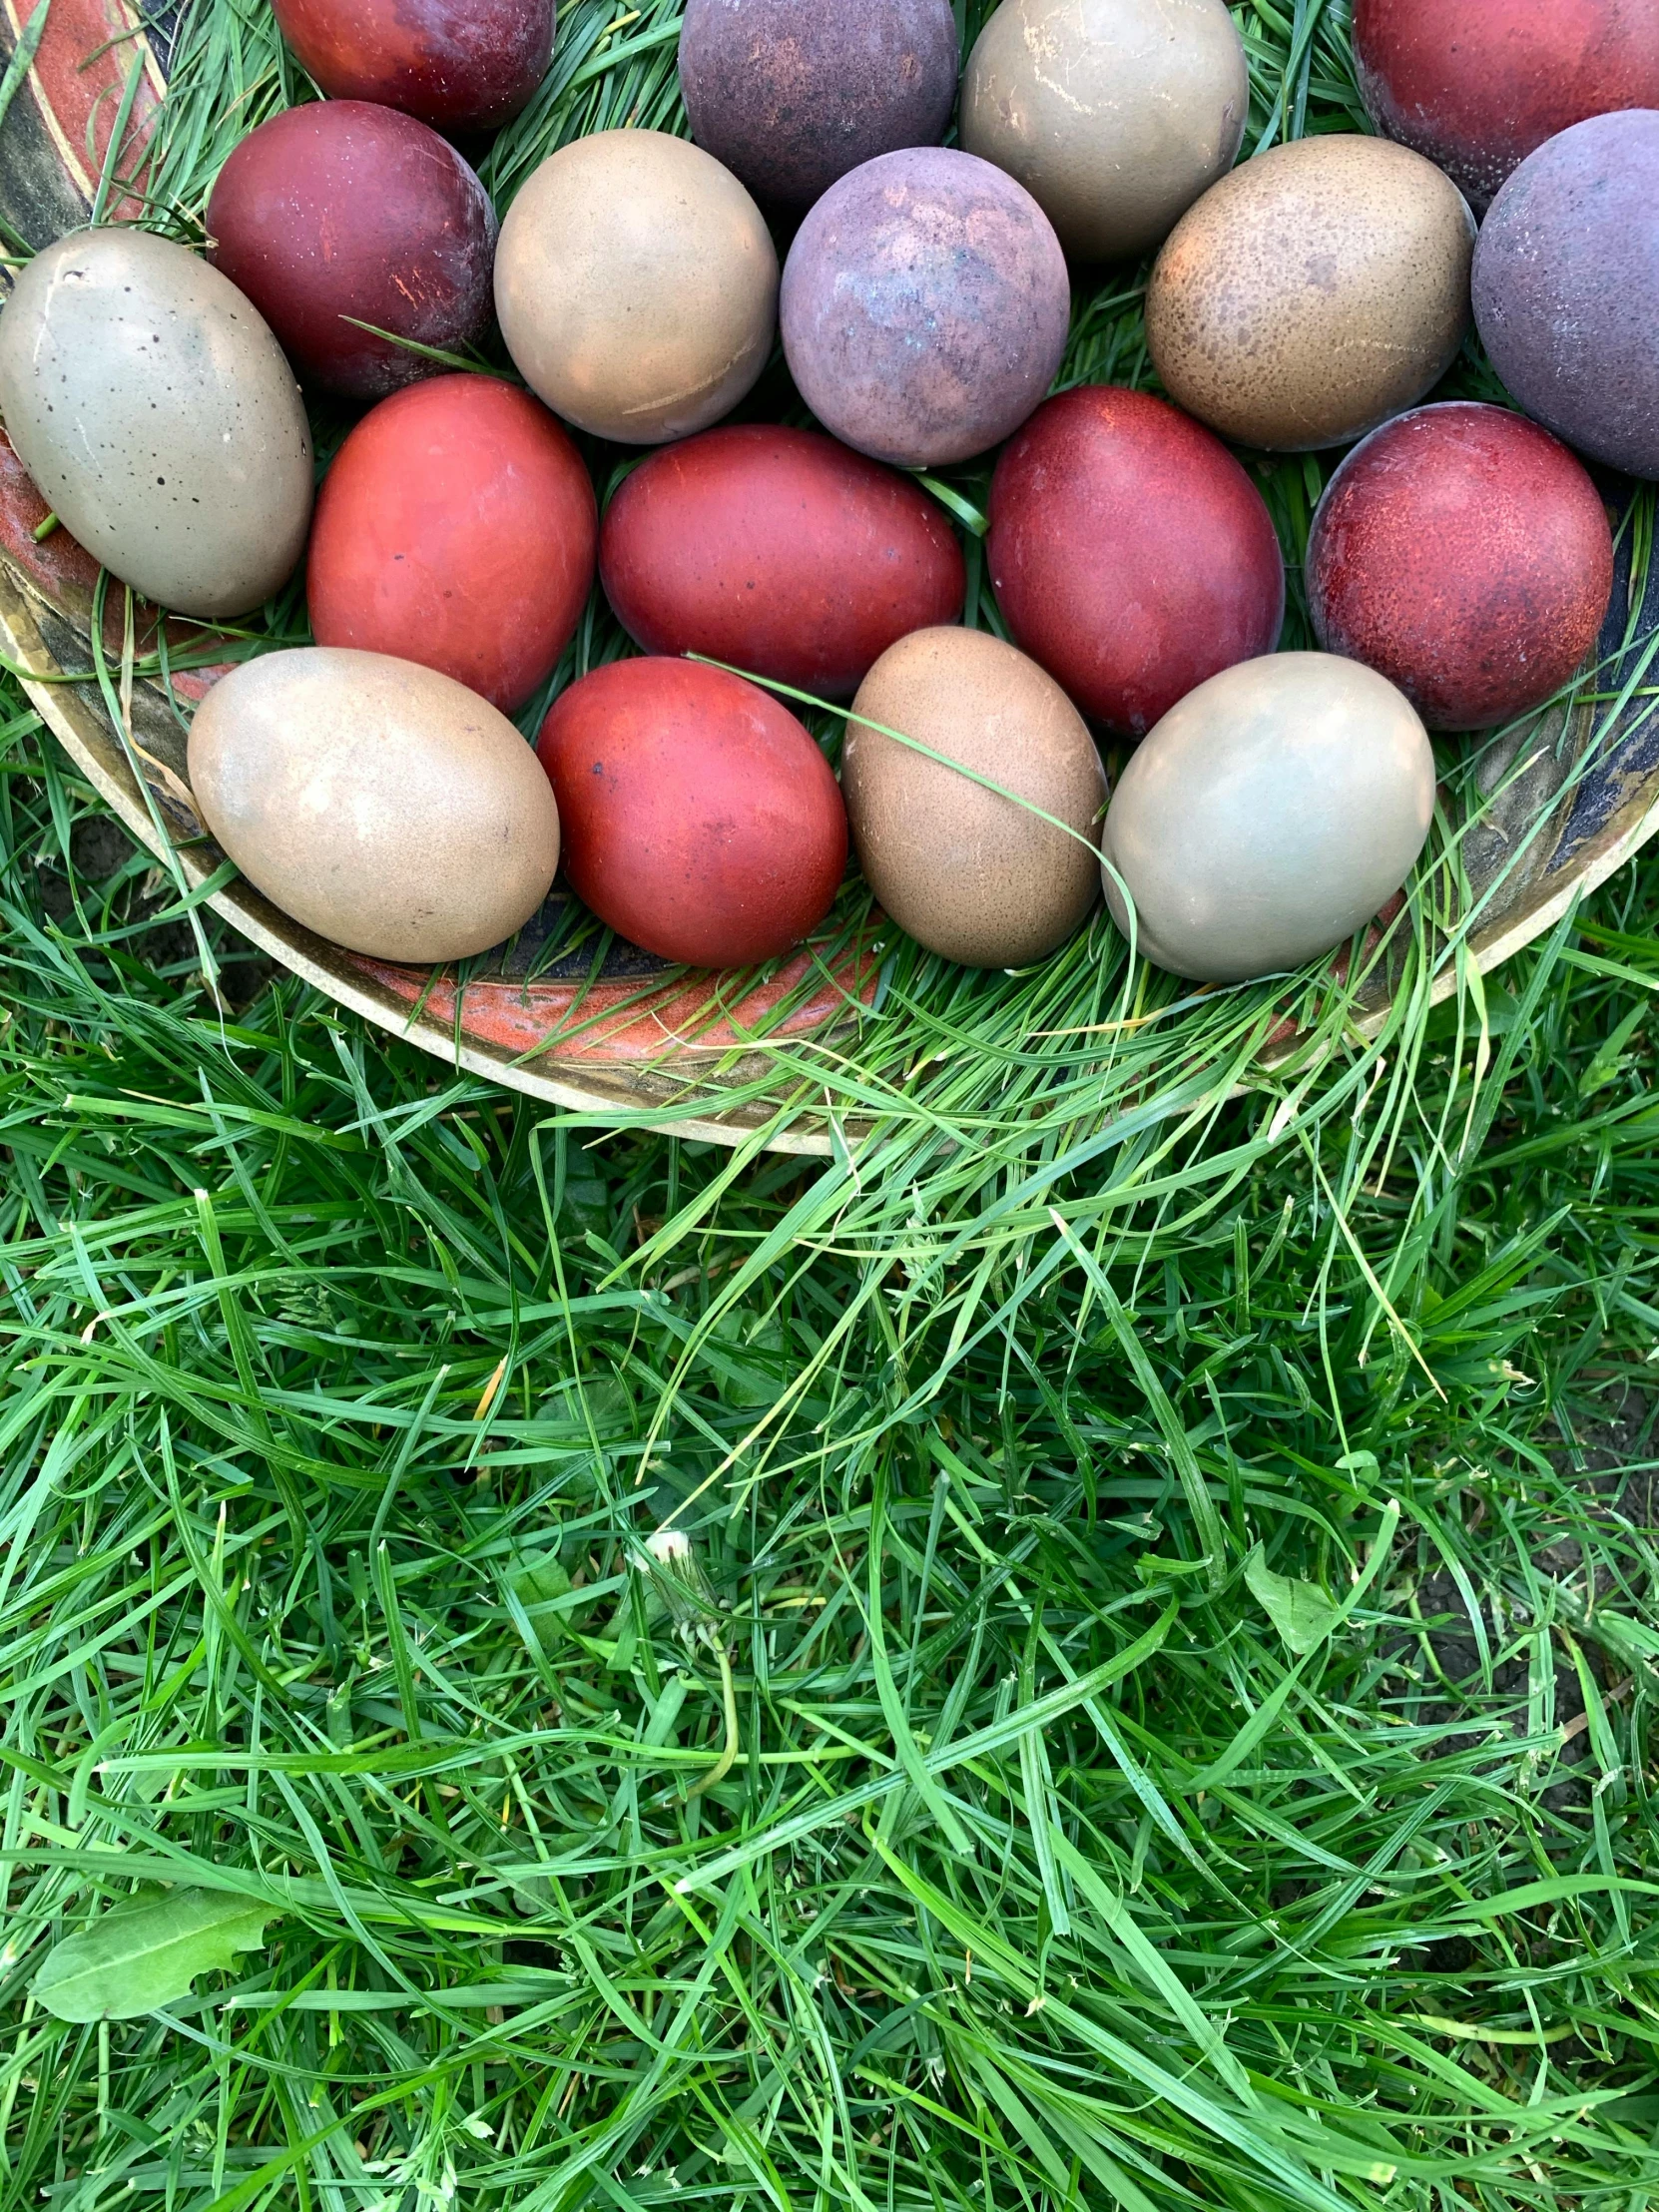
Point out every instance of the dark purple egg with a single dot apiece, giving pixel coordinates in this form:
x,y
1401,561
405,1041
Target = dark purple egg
x,y
340,214
924,307
1566,288
791,94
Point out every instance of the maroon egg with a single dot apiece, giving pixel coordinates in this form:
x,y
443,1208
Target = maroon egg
x,y
1130,553
1478,84
1464,554
463,65
779,552
456,528
699,818
341,211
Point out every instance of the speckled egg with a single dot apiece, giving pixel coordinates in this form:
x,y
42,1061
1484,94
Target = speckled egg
x,y
382,806
1465,555
1314,292
925,306
1130,553
970,872
1566,288
791,94
1268,817
1478,84
158,418
459,68
339,214
779,552
637,286
456,527
1115,115
701,821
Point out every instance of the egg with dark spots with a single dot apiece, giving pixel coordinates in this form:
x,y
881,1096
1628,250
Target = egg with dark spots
x,y
992,877
158,418
779,552
1314,292
701,821
791,94
1566,288
382,806
337,214
459,68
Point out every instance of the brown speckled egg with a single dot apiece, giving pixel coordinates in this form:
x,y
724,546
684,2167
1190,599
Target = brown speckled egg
x,y
1268,817
637,286
1115,115
1316,291
968,873
381,805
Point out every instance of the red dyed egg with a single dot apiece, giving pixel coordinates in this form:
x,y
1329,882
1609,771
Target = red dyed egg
x,y
339,209
1464,554
1130,553
456,528
463,65
1478,84
700,821
780,552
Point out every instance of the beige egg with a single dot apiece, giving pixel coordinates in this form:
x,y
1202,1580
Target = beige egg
x,y
637,285
1316,291
1268,816
968,873
148,400
1113,114
384,806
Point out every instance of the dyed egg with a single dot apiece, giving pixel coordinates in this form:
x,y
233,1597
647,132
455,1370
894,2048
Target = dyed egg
x,y
1467,557
966,871
338,214
1566,288
1130,553
779,552
699,819
1478,84
467,68
1314,292
158,418
382,806
790,94
1115,115
637,286
456,528
925,306
1268,817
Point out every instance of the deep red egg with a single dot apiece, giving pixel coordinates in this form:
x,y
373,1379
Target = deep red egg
x,y
456,527
780,552
1130,553
1478,84
699,818
1464,554
340,214
463,65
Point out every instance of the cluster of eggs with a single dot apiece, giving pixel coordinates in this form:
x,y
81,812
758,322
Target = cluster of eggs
x,y
1459,573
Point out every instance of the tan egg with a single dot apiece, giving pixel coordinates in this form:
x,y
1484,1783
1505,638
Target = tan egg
x,y
158,419
967,873
637,286
1113,114
384,806
1269,814
1316,291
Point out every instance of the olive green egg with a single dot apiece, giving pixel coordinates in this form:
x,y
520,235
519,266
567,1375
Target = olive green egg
x,y
381,805
1269,814
1115,115
967,872
158,419
1316,291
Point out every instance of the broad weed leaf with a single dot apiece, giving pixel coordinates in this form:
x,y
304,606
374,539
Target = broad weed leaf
x,y
1301,1613
146,1951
